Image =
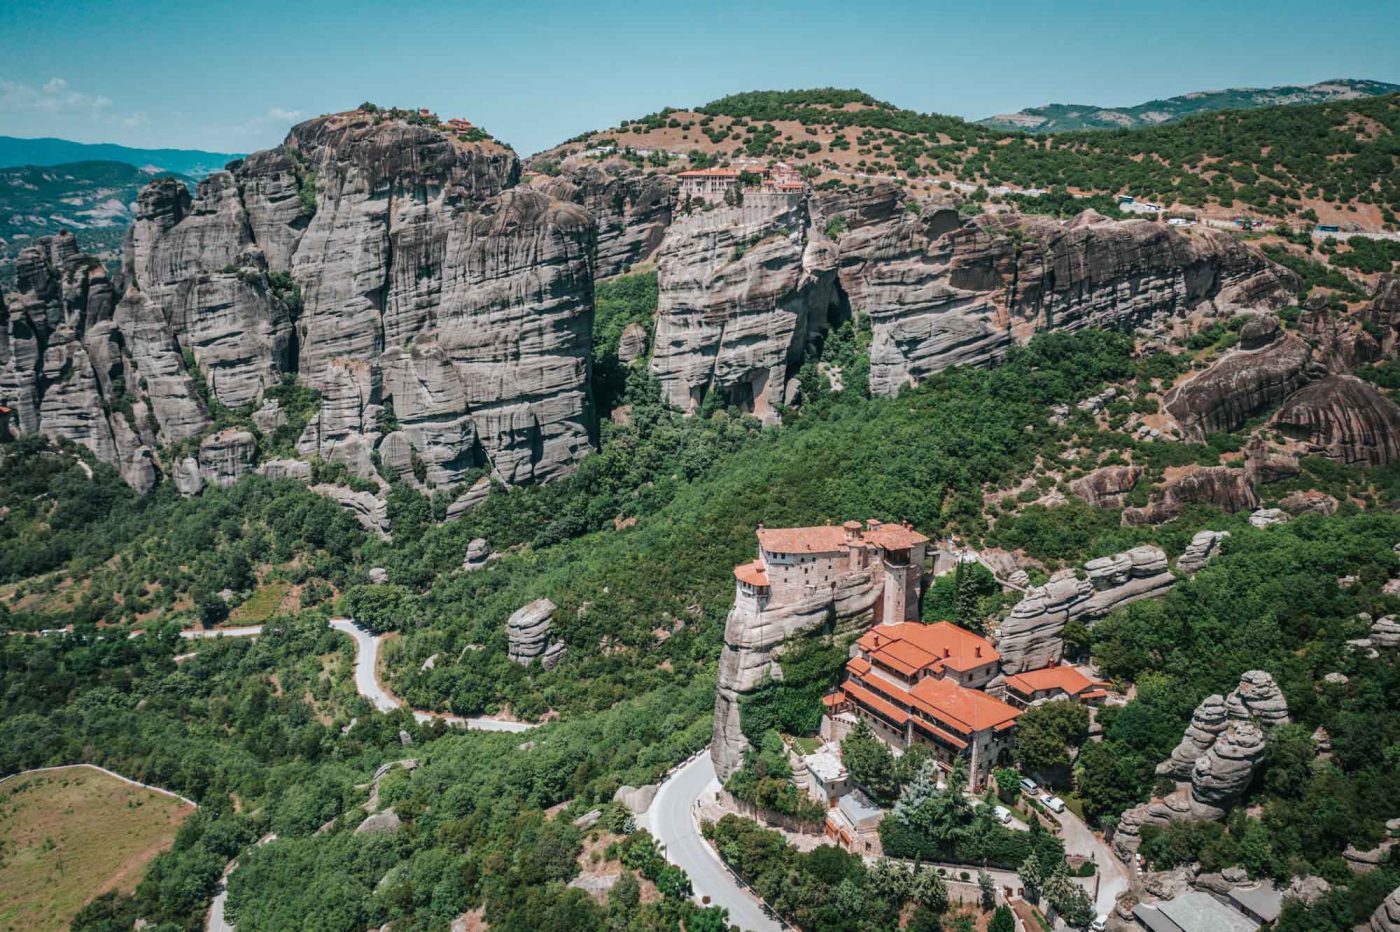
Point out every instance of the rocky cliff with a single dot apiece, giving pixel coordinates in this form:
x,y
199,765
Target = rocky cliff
x,y
1345,419
745,291
633,208
1215,761
443,312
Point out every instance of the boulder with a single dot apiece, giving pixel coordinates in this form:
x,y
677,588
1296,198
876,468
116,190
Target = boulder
x,y
1307,889
1310,502
1267,517
471,498
1345,419
298,470
188,479
1203,546
1107,486
371,511
380,823
527,631
378,575
1259,332
1385,632
227,456
1386,918
477,554
637,799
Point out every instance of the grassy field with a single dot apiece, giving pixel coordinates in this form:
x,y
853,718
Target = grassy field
x,y
70,834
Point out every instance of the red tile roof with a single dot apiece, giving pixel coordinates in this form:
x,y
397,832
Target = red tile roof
x,y
829,538
932,729
858,665
871,701
917,646
1049,678
752,573
965,710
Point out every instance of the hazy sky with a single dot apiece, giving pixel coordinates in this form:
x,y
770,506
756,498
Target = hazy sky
x,y
233,76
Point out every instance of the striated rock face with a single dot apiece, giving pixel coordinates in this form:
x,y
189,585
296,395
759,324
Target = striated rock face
x,y
1265,462
742,294
528,633
1344,418
1386,918
633,208
1032,636
1225,487
1108,486
754,641
299,470
1203,546
940,290
1385,632
227,456
1309,502
1384,313
1215,761
1240,385
75,365
372,512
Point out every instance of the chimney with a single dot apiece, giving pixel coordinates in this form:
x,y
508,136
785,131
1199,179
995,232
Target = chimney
x,y
947,652
978,650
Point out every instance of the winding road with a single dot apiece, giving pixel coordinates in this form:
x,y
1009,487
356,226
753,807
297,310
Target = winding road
x,y
671,818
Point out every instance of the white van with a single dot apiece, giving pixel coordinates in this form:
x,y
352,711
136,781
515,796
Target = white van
x,y
1002,813
1029,785
1099,925
1054,804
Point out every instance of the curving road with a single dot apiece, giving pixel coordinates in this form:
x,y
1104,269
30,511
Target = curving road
x,y
368,685
671,818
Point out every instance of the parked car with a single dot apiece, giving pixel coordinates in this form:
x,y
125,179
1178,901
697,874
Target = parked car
x,y
1054,804
1029,785
1099,924
1002,813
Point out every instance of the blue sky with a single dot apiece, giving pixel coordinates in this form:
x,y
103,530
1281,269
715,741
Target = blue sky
x,y
234,76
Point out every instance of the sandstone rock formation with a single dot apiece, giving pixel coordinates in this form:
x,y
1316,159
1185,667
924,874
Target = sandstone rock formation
x,y
443,311
1344,418
633,208
754,642
1032,636
743,293
1240,385
299,470
227,456
1310,502
1215,761
1225,487
528,633
1203,546
371,511
1267,517
1107,486
1385,632
1386,918
477,553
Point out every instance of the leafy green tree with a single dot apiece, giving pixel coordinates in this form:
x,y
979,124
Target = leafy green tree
x,y
1046,734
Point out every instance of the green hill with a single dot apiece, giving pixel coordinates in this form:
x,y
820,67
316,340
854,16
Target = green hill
x,y
94,198
1058,118
50,151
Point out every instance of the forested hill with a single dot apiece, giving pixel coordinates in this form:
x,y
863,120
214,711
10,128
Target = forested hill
x,y
1059,118
50,151
1335,162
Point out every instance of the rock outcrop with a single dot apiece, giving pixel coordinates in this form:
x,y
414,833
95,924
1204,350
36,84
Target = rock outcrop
x,y
1203,546
1311,502
528,634
1240,385
1107,486
1386,918
1345,419
633,208
1032,636
370,510
227,456
743,293
1215,761
754,642
1224,487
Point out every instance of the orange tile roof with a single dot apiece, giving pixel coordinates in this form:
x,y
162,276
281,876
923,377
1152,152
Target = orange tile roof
x,y
834,699
858,665
868,699
934,730
830,538
933,646
752,573
963,709
1094,694
822,539
1058,677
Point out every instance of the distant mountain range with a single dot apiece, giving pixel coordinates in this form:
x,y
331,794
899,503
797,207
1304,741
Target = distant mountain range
x,y
93,198
49,151
1059,118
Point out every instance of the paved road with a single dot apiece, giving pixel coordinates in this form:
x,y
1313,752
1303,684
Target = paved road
x,y
671,819
247,631
368,685
214,921
1114,879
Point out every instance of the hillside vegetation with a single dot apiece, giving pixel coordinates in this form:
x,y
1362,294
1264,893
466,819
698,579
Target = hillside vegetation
x,y
1281,161
1059,118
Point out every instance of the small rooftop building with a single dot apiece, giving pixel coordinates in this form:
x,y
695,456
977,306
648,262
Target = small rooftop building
x,y
1056,681
1198,911
829,780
